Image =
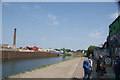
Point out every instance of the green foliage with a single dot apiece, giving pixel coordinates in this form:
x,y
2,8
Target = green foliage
x,y
66,54
66,50
85,51
81,51
57,49
91,49
63,50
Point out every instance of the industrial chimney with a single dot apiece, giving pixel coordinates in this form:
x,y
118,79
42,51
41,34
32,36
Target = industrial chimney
x,y
14,39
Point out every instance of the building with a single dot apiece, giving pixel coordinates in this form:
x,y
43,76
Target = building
x,y
5,46
112,45
113,40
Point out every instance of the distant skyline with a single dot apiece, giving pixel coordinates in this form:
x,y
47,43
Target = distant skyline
x,y
73,25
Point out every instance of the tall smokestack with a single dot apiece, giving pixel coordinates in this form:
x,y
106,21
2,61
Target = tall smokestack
x,y
14,39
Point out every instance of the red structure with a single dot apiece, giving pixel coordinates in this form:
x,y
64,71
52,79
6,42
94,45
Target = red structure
x,y
33,48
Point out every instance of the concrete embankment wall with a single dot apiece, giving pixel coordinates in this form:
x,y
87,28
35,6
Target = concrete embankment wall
x,y
18,55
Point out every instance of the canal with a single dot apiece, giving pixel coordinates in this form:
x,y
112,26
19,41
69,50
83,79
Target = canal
x,y
15,66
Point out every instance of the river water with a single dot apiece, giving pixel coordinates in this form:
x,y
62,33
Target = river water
x,y
15,66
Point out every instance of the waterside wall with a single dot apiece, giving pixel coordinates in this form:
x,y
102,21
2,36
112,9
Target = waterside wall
x,y
19,55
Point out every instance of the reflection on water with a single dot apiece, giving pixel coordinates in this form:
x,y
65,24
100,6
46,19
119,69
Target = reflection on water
x,y
16,66
63,58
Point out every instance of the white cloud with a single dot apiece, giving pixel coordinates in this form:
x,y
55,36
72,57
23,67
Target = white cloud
x,y
114,15
7,4
96,35
50,16
37,6
55,22
25,7
53,19
28,6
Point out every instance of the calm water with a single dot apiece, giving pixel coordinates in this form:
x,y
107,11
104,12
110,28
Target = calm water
x,y
17,66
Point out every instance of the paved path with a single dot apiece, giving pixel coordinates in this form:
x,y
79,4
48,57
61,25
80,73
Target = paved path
x,y
66,69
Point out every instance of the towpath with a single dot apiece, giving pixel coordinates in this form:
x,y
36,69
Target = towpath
x,y
66,69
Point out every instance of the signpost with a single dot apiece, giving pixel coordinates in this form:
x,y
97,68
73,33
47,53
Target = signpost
x,y
107,61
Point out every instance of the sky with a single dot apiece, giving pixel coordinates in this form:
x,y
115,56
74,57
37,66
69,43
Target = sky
x,y
0,22
73,25
60,0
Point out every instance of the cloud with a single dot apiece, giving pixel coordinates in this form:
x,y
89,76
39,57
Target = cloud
x,y
55,22
25,7
7,4
37,6
115,15
53,19
96,35
29,6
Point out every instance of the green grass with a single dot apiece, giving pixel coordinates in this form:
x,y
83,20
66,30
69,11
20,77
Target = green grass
x,y
81,56
11,75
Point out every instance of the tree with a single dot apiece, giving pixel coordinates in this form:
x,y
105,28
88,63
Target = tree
x,y
57,49
85,51
79,51
63,50
91,49
68,50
